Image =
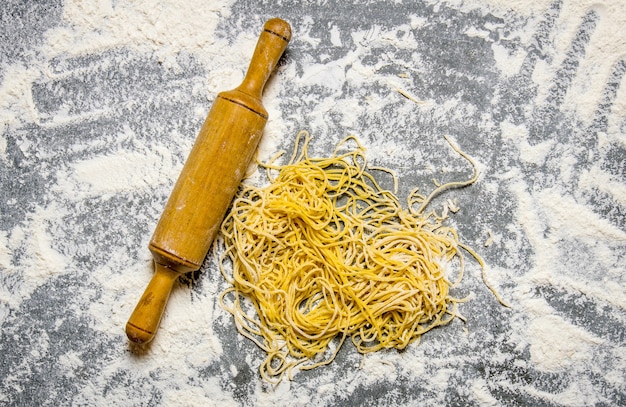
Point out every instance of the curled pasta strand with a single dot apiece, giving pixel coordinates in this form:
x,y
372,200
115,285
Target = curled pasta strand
x,y
450,185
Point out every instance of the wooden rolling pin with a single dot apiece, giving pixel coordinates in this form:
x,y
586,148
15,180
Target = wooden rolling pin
x,y
208,181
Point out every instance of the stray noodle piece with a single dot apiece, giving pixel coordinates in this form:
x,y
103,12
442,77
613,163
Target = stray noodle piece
x,y
324,253
489,240
411,98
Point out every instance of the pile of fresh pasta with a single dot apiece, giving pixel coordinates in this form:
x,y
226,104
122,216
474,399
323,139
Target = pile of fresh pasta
x,y
323,253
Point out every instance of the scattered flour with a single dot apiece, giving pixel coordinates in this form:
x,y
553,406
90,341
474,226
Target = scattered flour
x,y
482,394
166,28
518,135
121,171
38,262
556,344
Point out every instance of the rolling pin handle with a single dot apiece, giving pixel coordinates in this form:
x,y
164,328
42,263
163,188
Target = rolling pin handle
x,y
145,319
270,46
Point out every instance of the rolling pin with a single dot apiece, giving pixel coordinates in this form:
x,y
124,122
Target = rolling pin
x,y
208,181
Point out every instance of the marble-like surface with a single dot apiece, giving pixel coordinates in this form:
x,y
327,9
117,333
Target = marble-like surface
x,y
96,127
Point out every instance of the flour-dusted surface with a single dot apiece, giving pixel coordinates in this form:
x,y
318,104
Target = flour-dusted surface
x,y
100,102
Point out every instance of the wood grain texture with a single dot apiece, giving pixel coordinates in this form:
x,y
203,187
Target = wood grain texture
x,y
208,181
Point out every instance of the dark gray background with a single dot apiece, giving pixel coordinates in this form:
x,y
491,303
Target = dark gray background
x,y
158,105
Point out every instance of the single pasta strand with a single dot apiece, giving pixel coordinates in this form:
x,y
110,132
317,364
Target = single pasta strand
x,y
323,252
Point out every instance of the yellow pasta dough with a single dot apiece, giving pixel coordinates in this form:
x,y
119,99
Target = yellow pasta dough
x,y
324,253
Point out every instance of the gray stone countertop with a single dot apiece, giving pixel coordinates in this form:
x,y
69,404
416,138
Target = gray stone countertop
x,y
100,103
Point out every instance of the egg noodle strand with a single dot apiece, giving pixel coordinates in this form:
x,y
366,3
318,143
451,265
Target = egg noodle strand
x,y
323,253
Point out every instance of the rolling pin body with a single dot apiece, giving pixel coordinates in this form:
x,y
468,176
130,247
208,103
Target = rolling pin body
x,y
208,181
207,184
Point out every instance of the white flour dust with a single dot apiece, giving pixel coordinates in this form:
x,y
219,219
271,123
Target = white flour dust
x,y
538,241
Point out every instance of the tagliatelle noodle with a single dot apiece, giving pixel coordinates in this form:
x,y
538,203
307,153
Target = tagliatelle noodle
x,y
323,253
